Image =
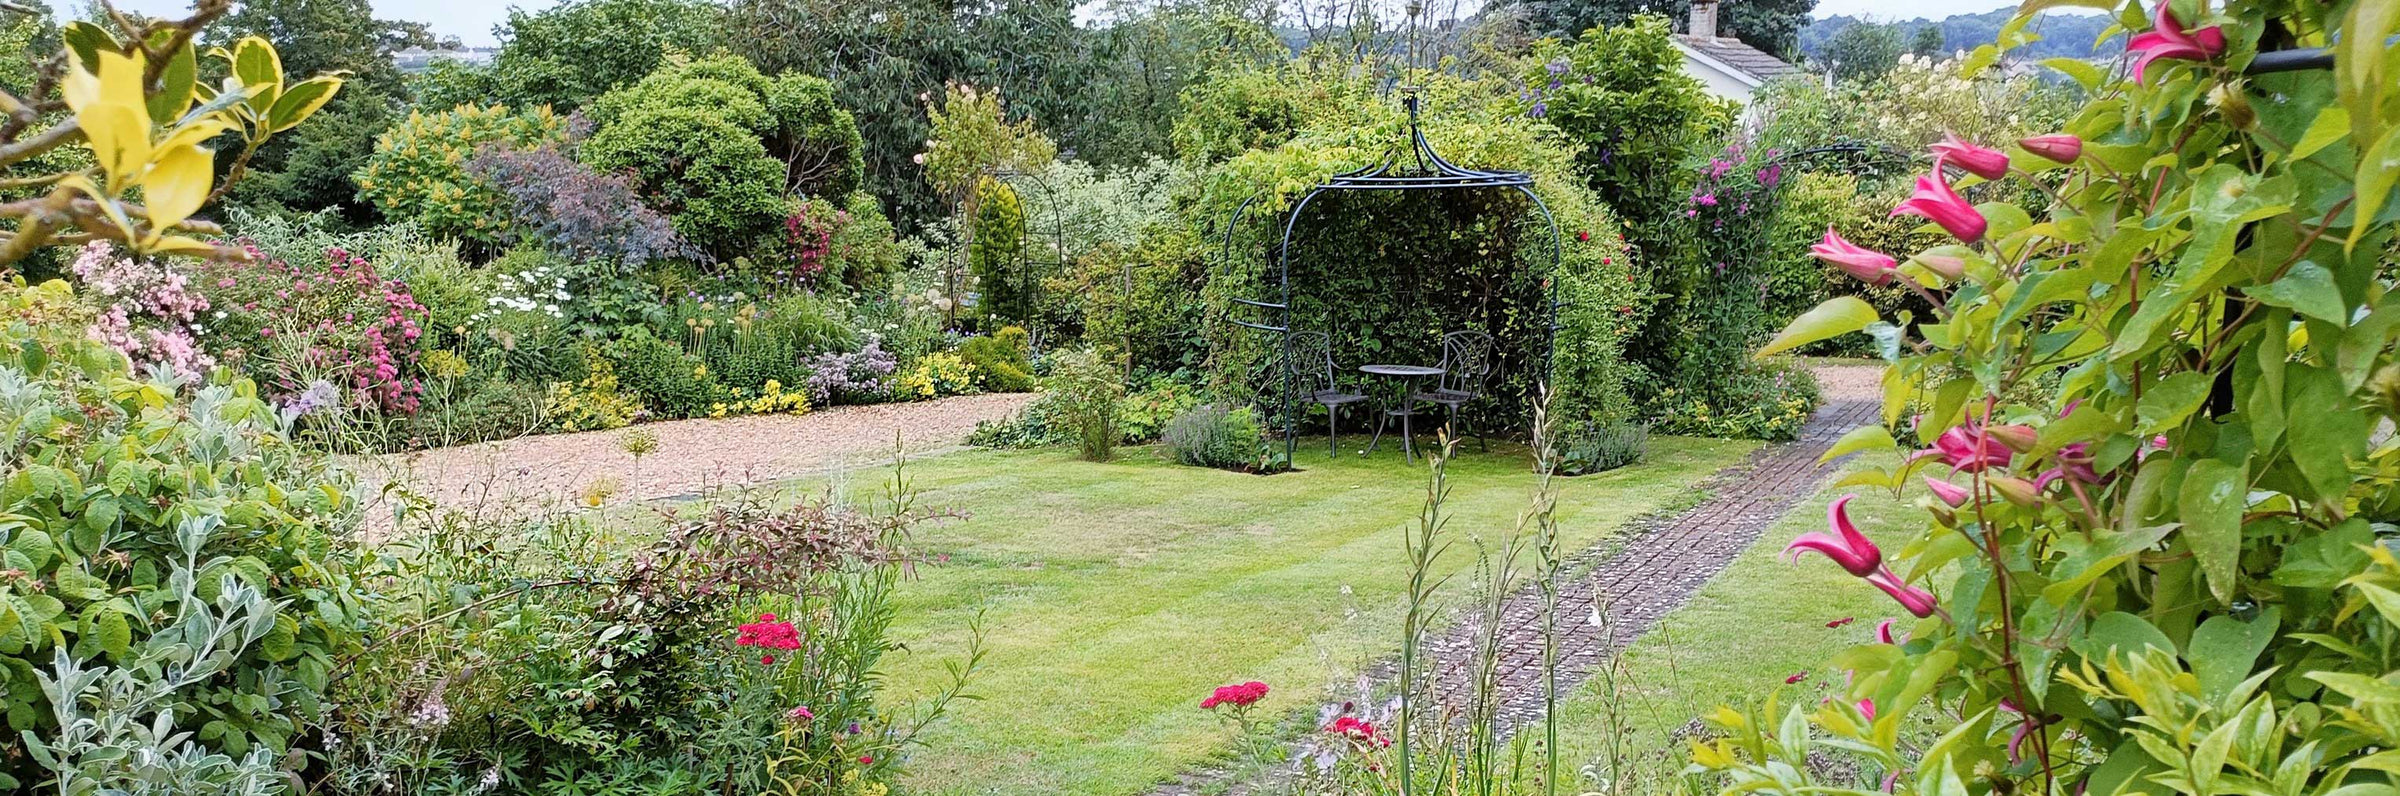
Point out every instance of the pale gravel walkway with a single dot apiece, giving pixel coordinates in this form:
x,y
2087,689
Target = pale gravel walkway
x,y
527,473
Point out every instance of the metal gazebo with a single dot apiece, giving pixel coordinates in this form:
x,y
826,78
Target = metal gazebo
x,y
1412,166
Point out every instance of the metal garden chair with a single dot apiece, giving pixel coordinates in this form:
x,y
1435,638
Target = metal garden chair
x,y
1311,364
1466,363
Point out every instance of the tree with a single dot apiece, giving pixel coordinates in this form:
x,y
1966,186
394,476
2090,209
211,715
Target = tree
x,y
885,60
311,170
1769,25
565,55
1927,42
1863,52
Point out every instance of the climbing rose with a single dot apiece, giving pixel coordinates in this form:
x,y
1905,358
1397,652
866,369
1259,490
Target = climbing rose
x,y
1846,546
2059,147
1864,264
1935,201
2167,40
1985,162
1240,695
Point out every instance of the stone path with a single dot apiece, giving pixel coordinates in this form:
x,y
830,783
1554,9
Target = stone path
x,y
527,473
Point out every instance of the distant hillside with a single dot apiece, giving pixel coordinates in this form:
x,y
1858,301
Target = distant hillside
x,y
2069,35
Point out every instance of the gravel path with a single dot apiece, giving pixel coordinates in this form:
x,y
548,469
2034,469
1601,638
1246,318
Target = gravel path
x,y
692,455
1627,584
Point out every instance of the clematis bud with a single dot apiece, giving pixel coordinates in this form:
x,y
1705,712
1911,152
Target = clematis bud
x,y
2016,490
2019,438
1947,492
1950,268
1864,264
1985,162
2059,147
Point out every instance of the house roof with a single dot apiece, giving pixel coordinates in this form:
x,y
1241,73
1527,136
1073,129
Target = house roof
x,y
1747,61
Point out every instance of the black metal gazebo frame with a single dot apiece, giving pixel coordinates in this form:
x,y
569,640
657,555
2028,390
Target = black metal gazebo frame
x,y
1431,172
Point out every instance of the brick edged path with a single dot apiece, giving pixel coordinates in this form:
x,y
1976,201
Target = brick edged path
x,y
1650,570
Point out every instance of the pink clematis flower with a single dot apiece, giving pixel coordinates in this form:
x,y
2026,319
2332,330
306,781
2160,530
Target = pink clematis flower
x,y
1852,550
1864,264
2057,147
1918,601
1969,447
2074,462
1866,707
2166,40
1935,201
1985,162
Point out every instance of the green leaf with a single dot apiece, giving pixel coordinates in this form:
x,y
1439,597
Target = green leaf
x,y
301,101
1862,438
2225,650
2213,496
2123,634
2358,686
2378,174
1837,316
2323,429
2166,404
177,82
114,634
2307,289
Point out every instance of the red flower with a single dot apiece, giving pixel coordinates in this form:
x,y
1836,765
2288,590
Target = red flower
x,y
1842,621
866,760
1363,731
1583,235
1795,678
1846,546
1240,695
769,634
766,660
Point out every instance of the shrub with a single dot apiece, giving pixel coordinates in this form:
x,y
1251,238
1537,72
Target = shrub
x,y
1000,360
996,253
1145,413
856,377
332,317
702,169
826,244
572,210
419,170
2154,505
594,402
565,55
669,381
148,310
1087,390
935,375
1593,447
1772,401
818,141
1217,435
138,503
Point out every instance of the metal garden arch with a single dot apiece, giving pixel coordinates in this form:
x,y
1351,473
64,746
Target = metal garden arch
x,y
1429,172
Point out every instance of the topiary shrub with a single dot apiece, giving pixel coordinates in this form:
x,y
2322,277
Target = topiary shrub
x,y
1001,360
996,252
419,169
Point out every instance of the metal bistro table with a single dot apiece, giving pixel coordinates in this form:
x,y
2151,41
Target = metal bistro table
x,y
1399,377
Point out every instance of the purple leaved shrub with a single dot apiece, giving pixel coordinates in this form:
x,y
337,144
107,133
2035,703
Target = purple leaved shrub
x,y
576,211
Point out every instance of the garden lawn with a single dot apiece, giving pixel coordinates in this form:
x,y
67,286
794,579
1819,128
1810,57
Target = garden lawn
x,y
1759,622
1113,596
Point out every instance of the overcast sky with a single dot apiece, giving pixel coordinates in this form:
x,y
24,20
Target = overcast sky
x,y
472,20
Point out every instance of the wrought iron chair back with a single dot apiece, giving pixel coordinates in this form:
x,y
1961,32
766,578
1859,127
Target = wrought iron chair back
x,y
1466,360
1310,360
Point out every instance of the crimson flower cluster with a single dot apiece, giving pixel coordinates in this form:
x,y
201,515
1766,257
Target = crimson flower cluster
x,y
1240,695
1356,729
767,633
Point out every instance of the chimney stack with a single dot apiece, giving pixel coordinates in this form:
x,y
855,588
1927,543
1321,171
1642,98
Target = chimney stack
x,y
1704,19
